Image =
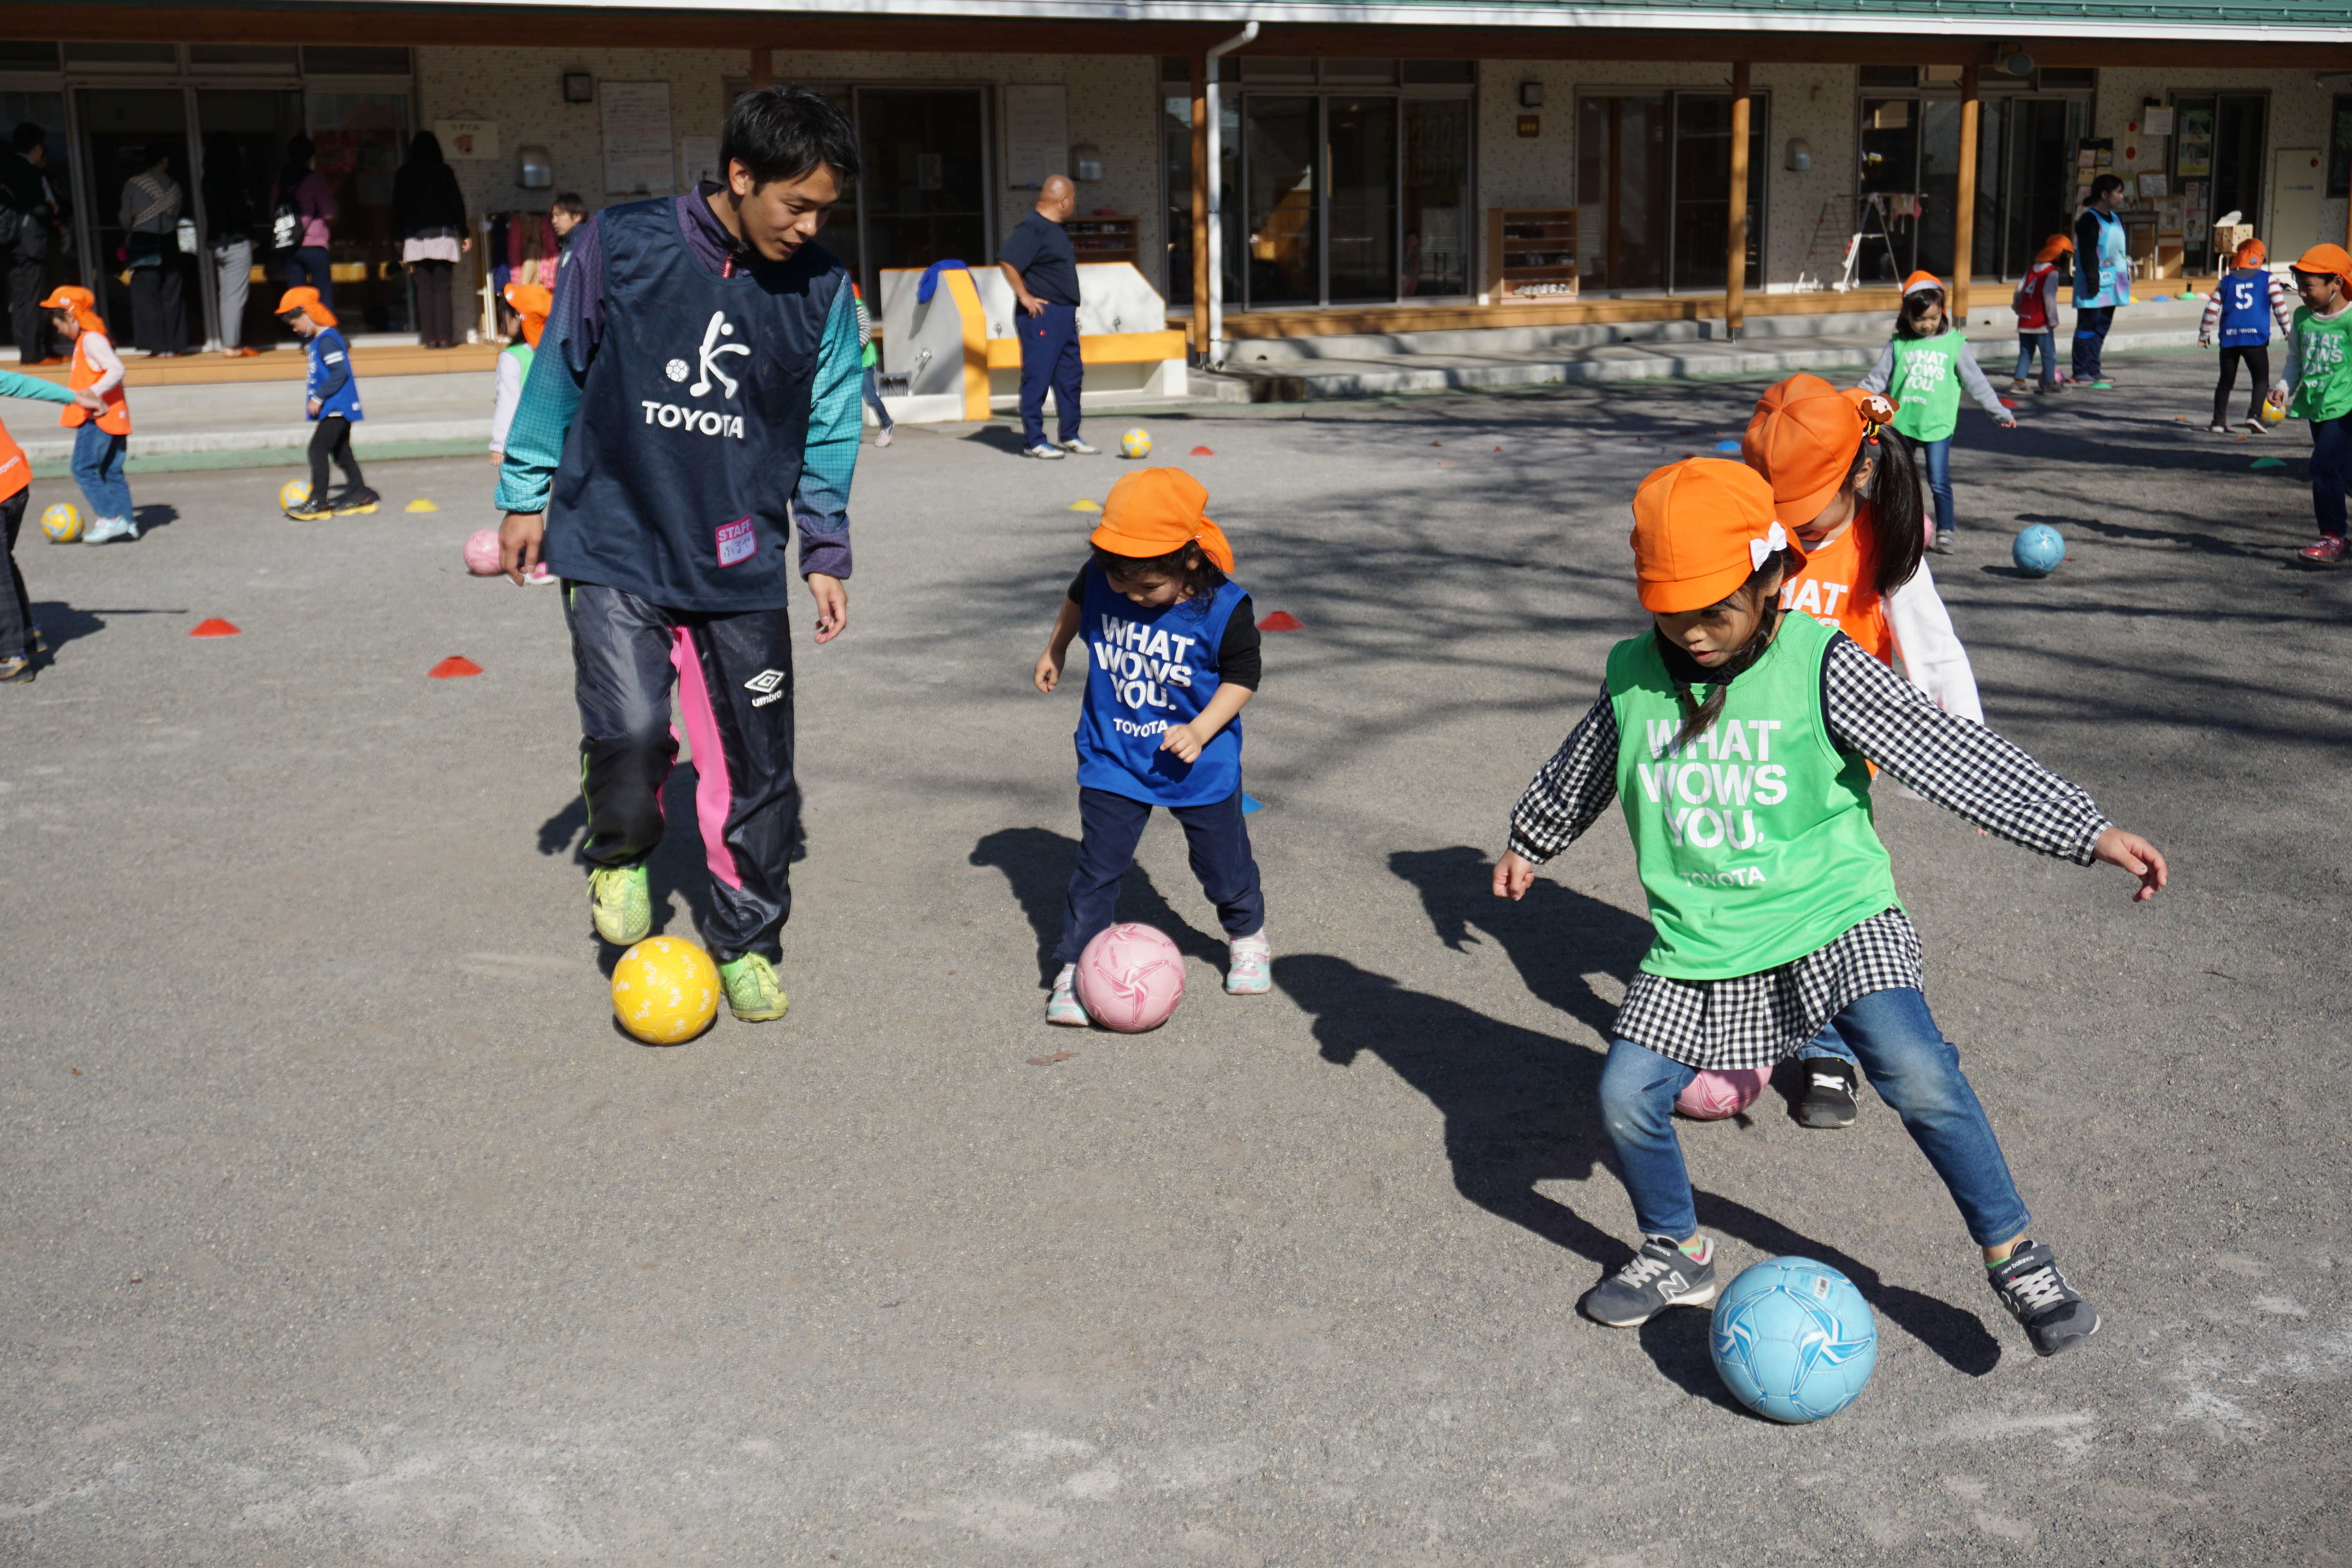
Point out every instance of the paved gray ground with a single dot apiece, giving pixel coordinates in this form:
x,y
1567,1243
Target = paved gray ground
x,y
338,1225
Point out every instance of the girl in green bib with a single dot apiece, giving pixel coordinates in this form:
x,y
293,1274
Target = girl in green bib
x,y
1922,369
1736,738
2316,384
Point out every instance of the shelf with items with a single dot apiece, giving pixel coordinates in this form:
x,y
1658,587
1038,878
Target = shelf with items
x,y
1531,254
1103,238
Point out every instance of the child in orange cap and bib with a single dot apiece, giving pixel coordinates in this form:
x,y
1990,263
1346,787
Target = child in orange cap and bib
x,y
2248,301
2316,384
1922,370
99,416
332,400
1172,657
1735,738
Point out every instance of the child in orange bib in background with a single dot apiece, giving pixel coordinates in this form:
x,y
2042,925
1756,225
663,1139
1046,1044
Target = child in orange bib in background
x,y
1847,487
99,416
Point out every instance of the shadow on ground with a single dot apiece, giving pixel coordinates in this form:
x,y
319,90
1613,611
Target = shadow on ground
x,y
1038,862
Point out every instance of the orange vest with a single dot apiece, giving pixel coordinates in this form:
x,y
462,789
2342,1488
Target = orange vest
x,y
115,420
14,472
1839,587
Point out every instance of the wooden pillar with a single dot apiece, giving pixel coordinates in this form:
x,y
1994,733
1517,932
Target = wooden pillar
x,y
1735,274
1964,216
1200,208
764,68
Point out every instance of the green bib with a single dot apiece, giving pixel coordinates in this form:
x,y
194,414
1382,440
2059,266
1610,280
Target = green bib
x,y
2322,365
522,353
1755,841
1925,386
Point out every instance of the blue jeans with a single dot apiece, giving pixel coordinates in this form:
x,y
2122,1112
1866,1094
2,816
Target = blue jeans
x,y
2091,326
1049,357
1938,455
1828,1043
2331,470
98,469
872,393
1110,825
2046,341
1913,1068
308,265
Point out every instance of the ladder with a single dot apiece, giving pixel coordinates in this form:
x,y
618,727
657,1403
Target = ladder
x,y
1825,229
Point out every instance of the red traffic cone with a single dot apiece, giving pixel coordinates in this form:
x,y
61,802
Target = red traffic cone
x,y
1202,452
1282,621
453,667
214,627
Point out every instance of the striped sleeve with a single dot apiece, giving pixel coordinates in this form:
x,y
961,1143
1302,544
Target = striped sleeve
x,y
829,459
1571,789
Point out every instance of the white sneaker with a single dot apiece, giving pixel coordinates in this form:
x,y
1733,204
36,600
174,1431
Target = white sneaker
x,y
105,529
884,438
1063,1007
1247,972
1077,447
539,576
1051,453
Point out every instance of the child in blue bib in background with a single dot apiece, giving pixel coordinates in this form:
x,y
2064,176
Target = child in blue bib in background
x,y
332,399
1172,657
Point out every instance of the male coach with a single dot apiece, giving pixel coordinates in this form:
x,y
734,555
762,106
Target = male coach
x,y
693,407
1044,272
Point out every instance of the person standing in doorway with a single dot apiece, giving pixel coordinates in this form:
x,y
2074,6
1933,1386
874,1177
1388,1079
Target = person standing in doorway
x,y
2101,276
32,211
234,215
1044,272
151,200
428,213
301,209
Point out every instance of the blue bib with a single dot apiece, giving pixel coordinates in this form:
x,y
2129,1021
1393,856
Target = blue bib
x,y
2245,308
1145,670
330,354
2104,279
677,475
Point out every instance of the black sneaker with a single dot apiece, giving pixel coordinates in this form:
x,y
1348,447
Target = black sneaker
x,y
2038,1295
1662,1275
355,499
1828,1092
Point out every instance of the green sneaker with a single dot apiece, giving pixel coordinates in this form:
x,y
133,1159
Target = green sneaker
x,y
753,992
621,904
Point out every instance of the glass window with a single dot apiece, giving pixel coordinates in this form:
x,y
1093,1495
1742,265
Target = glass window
x,y
355,59
2340,147
117,57
1890,76
282,56
1381,72
1277,67
1622,190
1419,71
23,57
1890,169
2064,77
1176,160
1176,68
1703,186
1284,266
925,187
1436,259
1362,201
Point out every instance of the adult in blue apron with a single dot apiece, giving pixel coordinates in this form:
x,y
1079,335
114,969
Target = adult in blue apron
x,y
2102,275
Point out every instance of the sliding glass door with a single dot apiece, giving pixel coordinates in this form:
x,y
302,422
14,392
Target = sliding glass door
x,y
1654,189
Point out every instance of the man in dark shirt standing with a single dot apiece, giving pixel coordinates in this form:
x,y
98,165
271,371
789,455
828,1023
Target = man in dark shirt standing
x,y
1044,272
24,191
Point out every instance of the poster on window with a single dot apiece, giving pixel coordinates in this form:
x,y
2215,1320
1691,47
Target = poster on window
x,y
2192,156
636,138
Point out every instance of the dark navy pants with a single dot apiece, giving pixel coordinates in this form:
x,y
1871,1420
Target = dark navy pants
x,y
1049,358
733,677
2331,471
2090,337
1110,825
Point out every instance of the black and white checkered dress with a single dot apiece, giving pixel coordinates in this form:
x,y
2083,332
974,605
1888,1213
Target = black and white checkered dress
x,y
1755,1020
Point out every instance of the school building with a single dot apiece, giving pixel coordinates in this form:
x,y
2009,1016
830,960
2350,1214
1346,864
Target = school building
x,y
1381,166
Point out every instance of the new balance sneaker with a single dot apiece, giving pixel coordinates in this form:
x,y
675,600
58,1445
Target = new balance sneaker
x,y
621,902
1248,970
2327,550
1945,539
754,994
1828,1092
106,529
1063,1007
1662,1275
1077,447
1052,454
2254,426
355,498
16,672
2029,1284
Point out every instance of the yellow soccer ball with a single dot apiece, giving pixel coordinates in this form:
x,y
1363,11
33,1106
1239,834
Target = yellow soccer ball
x,y
294,493
2273,413
62,523
1136,443
665,990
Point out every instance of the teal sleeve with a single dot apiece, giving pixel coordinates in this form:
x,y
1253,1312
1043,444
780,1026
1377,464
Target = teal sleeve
x,y
829,459
549,402
15,383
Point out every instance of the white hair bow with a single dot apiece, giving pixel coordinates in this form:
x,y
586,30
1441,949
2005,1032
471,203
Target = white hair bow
x,y
1759,549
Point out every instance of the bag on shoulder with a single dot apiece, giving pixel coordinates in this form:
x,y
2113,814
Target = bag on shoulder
x,y
285,227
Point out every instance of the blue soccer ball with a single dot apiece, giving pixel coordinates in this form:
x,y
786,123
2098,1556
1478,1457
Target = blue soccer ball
x,y
2038,550
1793,1339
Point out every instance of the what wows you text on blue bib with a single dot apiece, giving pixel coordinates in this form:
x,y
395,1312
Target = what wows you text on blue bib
x,y
1147,670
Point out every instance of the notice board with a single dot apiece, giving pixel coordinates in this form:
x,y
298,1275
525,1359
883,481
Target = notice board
x,y
1037,134
636,138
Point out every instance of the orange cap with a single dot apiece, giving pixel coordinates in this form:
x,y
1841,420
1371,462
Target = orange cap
x,y
2056,246
1701,528
1918,280
1158,512
77,302
2251,254
1803,439
531,301
2326,259
306,300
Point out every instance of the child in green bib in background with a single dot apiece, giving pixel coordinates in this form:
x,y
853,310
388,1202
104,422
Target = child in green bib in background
x,y
1772,899
2316,384
1921,370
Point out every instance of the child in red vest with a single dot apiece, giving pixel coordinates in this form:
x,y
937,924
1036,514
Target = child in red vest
x,y
99,416
2036,305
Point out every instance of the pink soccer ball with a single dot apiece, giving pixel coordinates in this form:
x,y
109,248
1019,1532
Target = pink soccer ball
x,y
1712,1096
1130,977
482,552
